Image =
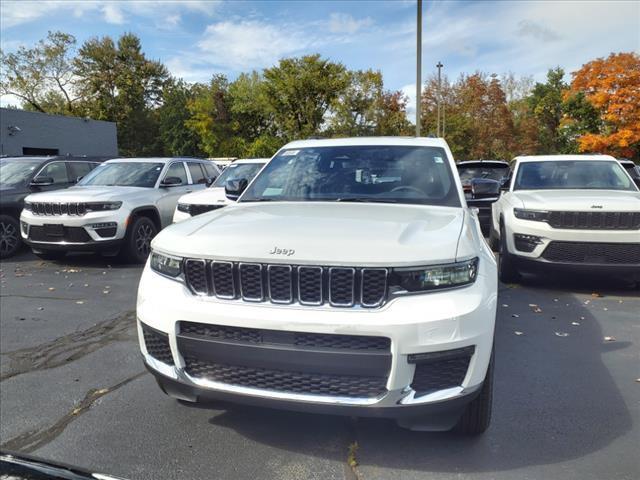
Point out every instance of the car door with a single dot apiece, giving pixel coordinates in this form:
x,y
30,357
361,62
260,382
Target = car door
x,y
198,175
58,172
169,195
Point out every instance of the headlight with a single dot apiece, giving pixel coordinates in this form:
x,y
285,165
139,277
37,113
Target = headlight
x,y
166,264
27,206
184,207
535,215
434,278
102,206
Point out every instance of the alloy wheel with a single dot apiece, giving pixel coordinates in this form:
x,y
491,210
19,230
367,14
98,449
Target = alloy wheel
x,y
144,235
8,238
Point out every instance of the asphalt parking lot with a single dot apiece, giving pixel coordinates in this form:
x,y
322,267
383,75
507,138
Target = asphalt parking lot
x,y
73,389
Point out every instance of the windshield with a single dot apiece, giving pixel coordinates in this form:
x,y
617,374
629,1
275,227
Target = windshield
x,y
493,172
16,172
393,174
567,174
124,174
236,171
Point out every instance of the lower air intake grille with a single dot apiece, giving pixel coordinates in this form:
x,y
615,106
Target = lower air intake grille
x,y
440,370
157,344
593,253
70,234
285,381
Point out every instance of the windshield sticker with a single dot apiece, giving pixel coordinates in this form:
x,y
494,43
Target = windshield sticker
x,y
438,159
289,153
272,191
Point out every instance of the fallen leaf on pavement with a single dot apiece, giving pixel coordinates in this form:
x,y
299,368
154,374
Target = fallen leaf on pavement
x,y
562,334
609,339
575,323
518,333
535,308
51,289
505,305
515,315
596,294
79,302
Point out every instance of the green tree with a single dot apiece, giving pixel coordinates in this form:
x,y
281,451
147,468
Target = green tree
x,y
546,104
176,138
249,107
300,91
41,76
118,83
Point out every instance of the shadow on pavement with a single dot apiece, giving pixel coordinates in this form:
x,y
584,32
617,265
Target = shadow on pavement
x,y
554,398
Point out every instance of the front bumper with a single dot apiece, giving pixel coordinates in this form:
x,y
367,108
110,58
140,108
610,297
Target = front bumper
x,y
535,259
434,322
86,236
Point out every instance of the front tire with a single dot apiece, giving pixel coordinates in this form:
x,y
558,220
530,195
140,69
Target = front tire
x,y
507,269
477,416
10,241
137,244
494,241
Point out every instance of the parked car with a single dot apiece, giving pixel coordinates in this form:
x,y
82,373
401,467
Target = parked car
x,y
21,176
350,277
214,197
116,208
632,169
570,212
481,182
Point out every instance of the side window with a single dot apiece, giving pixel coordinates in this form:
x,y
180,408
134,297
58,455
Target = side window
x,y
80,169
197,175
177,170
211,172
57,171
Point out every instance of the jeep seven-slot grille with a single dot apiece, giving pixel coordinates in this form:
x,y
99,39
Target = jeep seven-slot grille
x,y
196,209
48,208
595,220
593,253
285,284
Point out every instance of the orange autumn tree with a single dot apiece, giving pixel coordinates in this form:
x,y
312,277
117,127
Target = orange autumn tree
x,y
612,86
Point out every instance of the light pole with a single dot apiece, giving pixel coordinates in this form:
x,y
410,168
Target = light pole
x,y
419,69
439,66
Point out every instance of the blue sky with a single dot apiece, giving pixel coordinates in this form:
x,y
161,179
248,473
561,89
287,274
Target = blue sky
x,y
198,38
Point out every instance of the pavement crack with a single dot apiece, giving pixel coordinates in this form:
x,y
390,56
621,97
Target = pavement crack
x,y
69,348
351,468
34,439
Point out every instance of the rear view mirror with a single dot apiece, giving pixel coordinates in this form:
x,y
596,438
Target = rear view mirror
x,y
171,182
41,182
209,181
484,188
79,178
234,188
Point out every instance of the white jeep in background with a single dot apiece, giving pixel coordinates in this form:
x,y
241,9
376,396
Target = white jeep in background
x,y
568,212
116,208
214,197
350,277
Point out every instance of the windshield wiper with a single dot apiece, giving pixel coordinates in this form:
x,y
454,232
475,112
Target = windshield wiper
x,y
366,200
258,200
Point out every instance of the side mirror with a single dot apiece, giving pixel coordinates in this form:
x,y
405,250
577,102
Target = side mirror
x,y
234,188
79,178
505,183
484,188
41,182
171,182
209,181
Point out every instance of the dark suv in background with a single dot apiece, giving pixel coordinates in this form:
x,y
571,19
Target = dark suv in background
x,y
21,176
632,169
481,182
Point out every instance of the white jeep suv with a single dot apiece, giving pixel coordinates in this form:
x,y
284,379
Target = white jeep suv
x,y
214,197
117,207
350,277
568,212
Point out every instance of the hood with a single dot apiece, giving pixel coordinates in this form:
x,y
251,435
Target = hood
x,y
580,200
208,196
319,233
87,194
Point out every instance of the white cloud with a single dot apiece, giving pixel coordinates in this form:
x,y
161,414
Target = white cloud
x,y
250,44
537,31
345,23
113,14
16,13
410,92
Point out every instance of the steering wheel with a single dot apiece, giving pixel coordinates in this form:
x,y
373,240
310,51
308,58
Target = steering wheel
x,y
408,188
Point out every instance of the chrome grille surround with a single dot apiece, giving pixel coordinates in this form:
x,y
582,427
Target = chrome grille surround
x,y
333,286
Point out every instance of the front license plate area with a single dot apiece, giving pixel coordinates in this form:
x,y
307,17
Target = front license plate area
x,y
53,230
